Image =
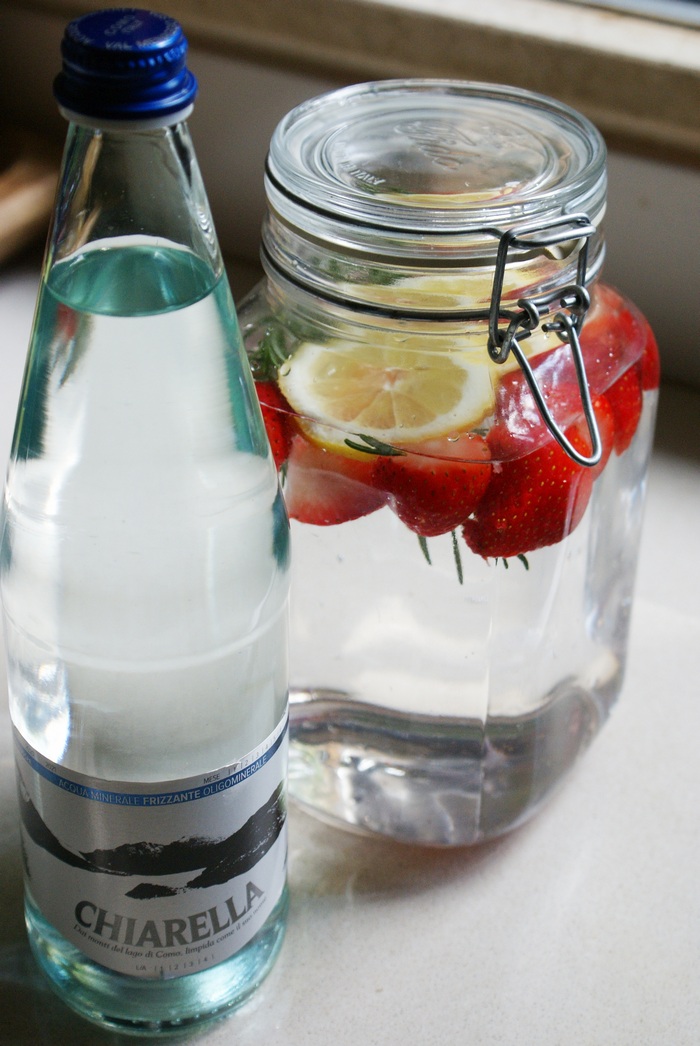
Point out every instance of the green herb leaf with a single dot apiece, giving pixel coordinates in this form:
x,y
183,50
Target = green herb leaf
x,y
373,446
458,557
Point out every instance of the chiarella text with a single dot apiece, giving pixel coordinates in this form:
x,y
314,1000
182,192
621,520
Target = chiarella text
x,y
165,933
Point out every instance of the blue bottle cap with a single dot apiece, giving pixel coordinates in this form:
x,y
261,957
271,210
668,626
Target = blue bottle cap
x,y
124,64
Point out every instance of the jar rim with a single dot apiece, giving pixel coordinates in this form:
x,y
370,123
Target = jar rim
x,y
447,160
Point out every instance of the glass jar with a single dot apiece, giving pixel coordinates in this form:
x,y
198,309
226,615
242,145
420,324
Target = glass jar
x,y
462,414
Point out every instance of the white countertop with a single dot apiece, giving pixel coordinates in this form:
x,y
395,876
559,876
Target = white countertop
x,y
580,929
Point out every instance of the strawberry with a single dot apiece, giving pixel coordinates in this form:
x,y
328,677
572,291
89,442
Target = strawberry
x,y
325,488
520,422
625,399
277,415
438,484
536,499
616,333
621,360
518,413
650,364
612,338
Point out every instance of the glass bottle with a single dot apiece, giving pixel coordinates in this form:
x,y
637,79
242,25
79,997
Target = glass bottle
x,y
462,415
144,570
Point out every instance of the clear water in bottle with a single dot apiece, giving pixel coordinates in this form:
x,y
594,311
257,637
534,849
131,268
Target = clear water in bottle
x,y
144,569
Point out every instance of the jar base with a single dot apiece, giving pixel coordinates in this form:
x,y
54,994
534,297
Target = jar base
x,y
435,780
134,1006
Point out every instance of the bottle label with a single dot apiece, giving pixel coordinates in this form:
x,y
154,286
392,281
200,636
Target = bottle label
x,y
156,880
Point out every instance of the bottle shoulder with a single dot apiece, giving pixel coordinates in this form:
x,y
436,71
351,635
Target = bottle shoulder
x,y
131,275
132,182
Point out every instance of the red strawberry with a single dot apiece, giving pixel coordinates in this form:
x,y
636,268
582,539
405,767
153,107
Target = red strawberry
x,y
438,484
613,336
650,364
521,426
538,499
324,488
277,415
620,358
625,399
520,417
66,323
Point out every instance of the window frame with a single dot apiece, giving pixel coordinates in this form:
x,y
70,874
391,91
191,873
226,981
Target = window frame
x,y
637,78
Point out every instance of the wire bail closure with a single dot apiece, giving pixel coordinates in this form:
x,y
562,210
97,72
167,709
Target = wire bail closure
x,y
573,302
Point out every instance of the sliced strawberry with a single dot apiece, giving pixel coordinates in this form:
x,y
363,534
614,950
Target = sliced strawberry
x,y
438,484
277,415
625,399
537,499
612,338
325,488
616,344
614,335
520,423
650,363
518,416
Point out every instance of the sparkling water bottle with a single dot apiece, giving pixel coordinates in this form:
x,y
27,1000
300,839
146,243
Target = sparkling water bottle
x,y
144,571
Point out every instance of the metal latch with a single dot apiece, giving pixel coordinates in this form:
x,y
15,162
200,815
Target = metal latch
x,y
572,304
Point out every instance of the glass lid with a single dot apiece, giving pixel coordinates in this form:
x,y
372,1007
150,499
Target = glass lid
x,y
436,156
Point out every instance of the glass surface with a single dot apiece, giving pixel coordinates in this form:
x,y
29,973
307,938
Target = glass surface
x,y
461,588
116,617
144,570
436,156
461,608
138,1007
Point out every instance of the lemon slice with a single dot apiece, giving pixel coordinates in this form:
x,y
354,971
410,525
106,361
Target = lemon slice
x,y
397,393
470,289
466,198
421,292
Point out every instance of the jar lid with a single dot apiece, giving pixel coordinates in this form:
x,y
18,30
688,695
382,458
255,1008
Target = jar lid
x,y
124,64
435,158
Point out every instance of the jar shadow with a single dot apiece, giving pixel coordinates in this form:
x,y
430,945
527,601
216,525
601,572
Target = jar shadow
x,y
329,862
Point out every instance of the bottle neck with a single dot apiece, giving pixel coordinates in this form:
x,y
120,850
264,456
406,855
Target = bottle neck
x,y
132,182
147,124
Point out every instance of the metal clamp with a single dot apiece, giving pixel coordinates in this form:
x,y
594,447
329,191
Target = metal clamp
x,y
573,302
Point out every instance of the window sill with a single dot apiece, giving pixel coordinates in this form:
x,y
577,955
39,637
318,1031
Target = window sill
x,y
256,59
636,78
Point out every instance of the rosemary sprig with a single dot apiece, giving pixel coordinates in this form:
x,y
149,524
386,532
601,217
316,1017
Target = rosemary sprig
x,y
458,557
373,446
506,562
424,549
